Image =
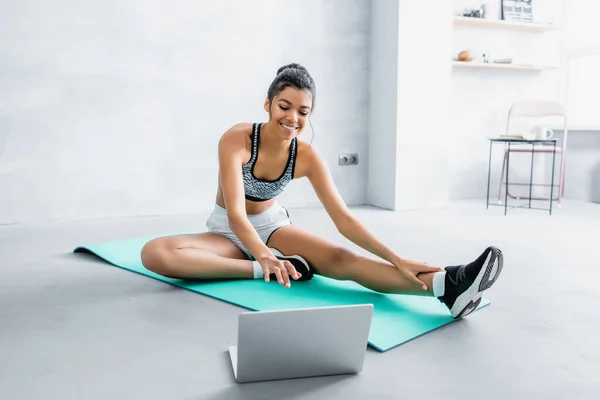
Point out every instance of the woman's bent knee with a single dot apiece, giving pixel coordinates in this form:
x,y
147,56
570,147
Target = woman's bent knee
x,y
339,263
155,258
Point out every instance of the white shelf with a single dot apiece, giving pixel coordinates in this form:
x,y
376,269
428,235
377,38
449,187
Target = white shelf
x,y
497,23
465,64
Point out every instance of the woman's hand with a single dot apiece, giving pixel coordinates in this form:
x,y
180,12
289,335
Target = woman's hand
x,y
410,269
280,268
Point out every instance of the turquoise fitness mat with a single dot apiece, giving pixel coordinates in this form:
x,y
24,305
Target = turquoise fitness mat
x,y
396,318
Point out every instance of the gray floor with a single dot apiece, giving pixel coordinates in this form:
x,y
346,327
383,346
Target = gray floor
x,y
72,327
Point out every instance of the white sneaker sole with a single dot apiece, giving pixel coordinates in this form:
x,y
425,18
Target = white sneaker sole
x,y
469,300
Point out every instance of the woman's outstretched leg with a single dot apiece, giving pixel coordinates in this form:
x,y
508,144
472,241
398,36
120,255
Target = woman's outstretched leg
x,y
193,256
459,287
339,263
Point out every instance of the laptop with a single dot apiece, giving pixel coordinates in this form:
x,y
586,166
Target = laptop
x,y
300,343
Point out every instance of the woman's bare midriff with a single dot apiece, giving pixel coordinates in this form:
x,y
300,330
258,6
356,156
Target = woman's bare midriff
x,y
252,207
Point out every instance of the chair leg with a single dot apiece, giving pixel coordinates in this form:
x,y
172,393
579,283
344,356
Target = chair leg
x,y
561,183
559,192
502,176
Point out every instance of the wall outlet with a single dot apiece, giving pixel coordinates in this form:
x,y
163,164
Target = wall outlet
x,y
348,159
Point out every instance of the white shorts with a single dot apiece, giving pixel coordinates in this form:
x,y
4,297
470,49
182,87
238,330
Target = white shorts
x,y
264,223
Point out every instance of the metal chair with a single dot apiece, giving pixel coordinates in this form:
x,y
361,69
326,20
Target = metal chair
x,y
537,109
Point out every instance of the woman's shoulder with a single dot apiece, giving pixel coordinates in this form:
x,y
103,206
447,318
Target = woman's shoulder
x,y
238,136
242,129
307,150
306,156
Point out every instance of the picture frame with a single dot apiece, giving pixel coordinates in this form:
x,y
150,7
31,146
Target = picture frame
x,y
517,10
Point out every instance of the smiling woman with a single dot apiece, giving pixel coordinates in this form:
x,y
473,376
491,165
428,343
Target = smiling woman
x,y
250,234
297,77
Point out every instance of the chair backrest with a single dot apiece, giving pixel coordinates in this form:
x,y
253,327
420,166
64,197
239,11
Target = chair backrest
x,y
541,108
537,109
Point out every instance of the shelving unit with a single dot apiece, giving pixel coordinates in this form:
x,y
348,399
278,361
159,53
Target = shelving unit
x,y
502,24
465,64
492,23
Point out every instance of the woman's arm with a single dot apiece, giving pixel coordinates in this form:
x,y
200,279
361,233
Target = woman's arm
x,y
348,226
320,178
231,158
231,153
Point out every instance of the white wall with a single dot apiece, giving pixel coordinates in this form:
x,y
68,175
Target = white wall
x,y
424,73
383,104
480,98
445,115
410,85
114,108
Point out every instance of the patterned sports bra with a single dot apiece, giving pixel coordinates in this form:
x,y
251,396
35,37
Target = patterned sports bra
x,y
260,189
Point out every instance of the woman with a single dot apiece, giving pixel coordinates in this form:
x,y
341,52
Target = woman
x,y
250,234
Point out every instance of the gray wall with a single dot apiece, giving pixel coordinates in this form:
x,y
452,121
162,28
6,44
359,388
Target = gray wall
x,y
582,166
114,108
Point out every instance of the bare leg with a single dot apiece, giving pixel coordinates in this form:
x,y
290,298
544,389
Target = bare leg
x,y
203,255
463,284
339,263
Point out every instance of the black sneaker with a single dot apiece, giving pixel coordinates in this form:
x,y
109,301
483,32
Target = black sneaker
x,y
299,263
465,283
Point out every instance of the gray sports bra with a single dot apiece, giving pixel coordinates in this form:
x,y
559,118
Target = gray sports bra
x,y
260,189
